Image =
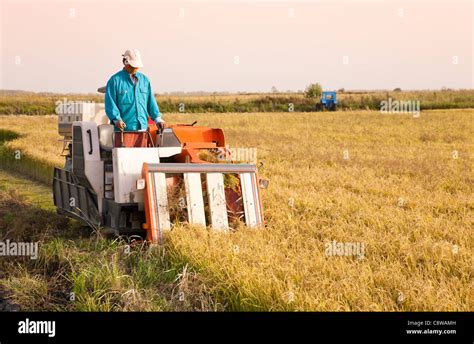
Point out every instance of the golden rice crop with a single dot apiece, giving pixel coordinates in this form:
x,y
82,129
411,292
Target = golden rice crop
x,y
401,186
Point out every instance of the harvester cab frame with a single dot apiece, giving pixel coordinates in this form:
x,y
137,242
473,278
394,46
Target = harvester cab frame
x,y
143,191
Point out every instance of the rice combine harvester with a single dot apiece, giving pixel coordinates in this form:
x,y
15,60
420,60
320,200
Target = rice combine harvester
x,y
179,177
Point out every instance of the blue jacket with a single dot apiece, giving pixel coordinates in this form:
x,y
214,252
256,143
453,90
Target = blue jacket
x,y
130,103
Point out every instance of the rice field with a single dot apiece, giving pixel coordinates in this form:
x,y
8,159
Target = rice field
x,y
397,190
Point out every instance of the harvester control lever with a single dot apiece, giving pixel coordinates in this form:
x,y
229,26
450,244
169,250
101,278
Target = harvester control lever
x,y
90,141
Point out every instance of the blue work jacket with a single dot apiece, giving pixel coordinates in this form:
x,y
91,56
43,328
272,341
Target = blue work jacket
x,y
130,102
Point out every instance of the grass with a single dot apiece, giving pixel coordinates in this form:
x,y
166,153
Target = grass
x,y
45,104
78,270
405,192
30,147
36,194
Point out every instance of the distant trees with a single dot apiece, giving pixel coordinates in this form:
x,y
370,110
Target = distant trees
x,y
274,89
313,91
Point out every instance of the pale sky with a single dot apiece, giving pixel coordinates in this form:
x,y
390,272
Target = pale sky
x,y
75,46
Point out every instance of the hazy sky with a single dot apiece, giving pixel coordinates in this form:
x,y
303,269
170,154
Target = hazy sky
x,y
75,46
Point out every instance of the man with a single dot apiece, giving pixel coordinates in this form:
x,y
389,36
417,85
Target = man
x,y
128,102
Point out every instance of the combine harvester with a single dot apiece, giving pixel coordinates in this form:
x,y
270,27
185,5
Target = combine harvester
x,y
143,191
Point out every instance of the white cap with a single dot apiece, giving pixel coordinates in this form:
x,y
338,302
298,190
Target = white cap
x,y
133,58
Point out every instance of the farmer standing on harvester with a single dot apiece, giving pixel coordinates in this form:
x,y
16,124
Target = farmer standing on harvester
x,y
128,102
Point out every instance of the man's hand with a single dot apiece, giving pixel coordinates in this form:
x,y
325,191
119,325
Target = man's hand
x,y
120,124
160,123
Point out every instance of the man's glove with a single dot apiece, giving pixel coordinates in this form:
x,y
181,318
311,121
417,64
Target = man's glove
x,y
160,123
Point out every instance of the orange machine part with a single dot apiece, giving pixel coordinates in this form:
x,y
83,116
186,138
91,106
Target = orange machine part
x,y
193,139
189,134
152,234
153,130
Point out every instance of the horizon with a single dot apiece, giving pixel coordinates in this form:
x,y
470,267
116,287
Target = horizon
x,y
197,93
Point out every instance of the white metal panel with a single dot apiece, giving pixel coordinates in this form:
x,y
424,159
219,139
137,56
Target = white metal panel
x,y
94,171
248,196
91,152
162,215
128,163
93,166
217,202
166,152
195,202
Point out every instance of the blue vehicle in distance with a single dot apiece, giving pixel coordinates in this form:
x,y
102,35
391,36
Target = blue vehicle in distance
x,y
328,101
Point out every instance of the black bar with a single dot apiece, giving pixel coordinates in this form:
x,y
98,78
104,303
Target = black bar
x,y
298,327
